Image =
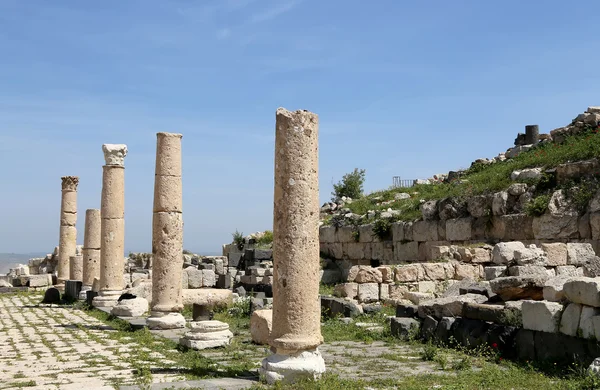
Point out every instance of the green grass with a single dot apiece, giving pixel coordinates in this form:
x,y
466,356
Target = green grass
x,y
482,179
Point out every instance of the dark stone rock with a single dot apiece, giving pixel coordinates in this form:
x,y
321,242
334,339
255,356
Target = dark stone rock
x,y
503,338
336,307
559,347
234,259
428,329
241,291
257,304
469,333
89,296
72,289
525,345
52,295
372,309
484,312
224,282
202,312
126,296
450,208
407,311
263,254
16,282
404,328
249,256
444,327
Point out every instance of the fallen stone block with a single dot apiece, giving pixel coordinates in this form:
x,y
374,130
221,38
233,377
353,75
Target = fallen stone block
x,y
368,275
493,272
515,287
556,254
583,290
569,323
428,328
533,271
504,252
579,253
484,312
346,290
407,311
449,306
368,292
135,307
553,289
542,316
207,296
261,324
404,328
417,297
586,324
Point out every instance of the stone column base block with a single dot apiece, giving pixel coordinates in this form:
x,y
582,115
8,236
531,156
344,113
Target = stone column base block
x,y
83,295
290,368
160,320
107,298
207,334
136,307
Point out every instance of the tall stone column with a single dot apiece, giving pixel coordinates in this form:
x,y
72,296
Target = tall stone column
x,y
67,245
532,134
296,330
91,248
167,236
112,226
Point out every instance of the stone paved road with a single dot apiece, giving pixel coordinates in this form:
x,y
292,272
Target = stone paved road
x,y
45,347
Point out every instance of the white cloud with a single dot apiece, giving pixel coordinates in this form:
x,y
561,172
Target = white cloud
x,y
273,12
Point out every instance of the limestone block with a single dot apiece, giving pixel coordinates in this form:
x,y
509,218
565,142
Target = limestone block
x,y
448,306
569,323
409,273
357,250
194,277
327,234
555,226
579,253
531,255
397,291
418,297
368,275
425,231
184,279
516,227
512,288
534,271
500,203
353,272
368,292
404,252
398,231
504,252
346,290
207,334
583,290
595,225
42,280
542,316
261,324
585,229
438,271
480,255
209,278
429,210
387,274
377,251
556,253
479,206
427,287
219,267
408,231
136,307
344,234
569,270
439,252
384,292
466,271
458,229
365,233
493,272
553,289
586,323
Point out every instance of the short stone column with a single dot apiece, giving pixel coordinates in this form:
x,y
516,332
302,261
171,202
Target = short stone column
x,y
91,248
67,245
532,134
112,226
167,236
296,332
76,268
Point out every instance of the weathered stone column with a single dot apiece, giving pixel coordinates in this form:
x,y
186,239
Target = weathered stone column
x,y
112,226
76,268
296,330
167,236
91,248
532,134
67,245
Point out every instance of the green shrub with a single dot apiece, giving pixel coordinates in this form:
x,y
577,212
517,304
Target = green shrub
x,y
537,206
238,239
382,228
430,351
266,239
350,186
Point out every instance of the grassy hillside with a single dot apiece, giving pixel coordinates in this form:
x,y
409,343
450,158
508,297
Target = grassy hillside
x,y
489,178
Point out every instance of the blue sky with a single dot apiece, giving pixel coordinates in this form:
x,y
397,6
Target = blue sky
x,y
402,88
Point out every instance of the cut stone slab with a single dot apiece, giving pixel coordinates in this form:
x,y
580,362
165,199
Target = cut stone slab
x,y
407,311
533,271
449,306
515,287
583,290
404,328
484,312
493,272
542,316
417,297
207,334
135,307
586,324
369,275
569,323
504,252
556,253
368,292
579,253
346,290
207,296
553,289
261,324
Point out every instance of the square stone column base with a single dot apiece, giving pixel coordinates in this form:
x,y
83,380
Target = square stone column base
x,y
161,320
293,367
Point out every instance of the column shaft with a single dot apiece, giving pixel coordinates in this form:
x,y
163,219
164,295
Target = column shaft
x,y
91,247
67,245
